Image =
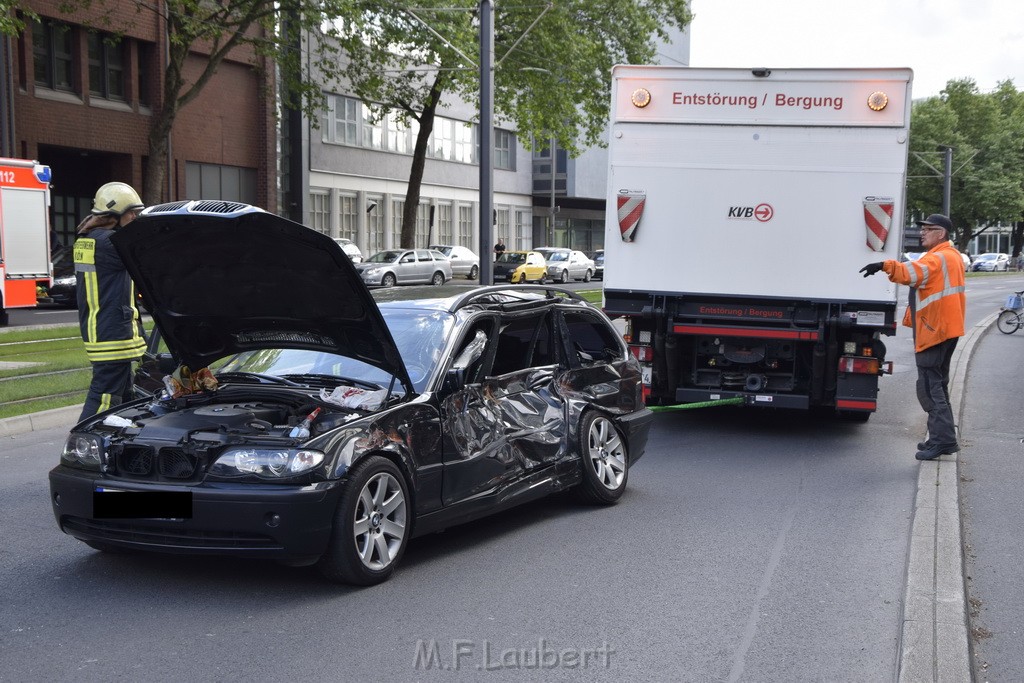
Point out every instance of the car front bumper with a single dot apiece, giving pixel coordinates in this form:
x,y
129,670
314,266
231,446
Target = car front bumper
x,y
635,428
287,522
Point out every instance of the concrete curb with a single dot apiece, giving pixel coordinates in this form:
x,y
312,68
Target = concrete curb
x,y
46,419
935,643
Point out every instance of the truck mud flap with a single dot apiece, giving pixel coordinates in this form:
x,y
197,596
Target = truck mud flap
x,y
794,401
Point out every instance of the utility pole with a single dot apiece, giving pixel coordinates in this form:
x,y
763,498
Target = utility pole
x,y
486,141
947,179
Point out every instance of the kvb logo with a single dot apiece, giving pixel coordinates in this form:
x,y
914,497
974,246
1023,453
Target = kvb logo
x,y
762,212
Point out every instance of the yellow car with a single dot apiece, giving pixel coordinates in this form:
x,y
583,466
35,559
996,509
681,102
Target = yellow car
x,y
520,267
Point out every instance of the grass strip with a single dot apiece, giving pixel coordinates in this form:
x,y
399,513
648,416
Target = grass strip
x,y
34,406
46,385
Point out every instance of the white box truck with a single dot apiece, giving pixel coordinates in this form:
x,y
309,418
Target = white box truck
x,y
24,233
742,204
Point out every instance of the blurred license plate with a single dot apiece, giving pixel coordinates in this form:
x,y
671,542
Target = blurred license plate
x,y
120,504
645,374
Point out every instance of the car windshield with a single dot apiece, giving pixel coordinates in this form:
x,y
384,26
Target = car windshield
x,y
419,334
447,251
512,257
987,257
558,256
384,257
599,257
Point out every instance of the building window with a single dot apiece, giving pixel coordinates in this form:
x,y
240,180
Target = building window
x,y
342,120
465,142
374,225
106,66
444,224
319,212
52,55
144,73
523,230
423,225
442,139
373,132
348,218
397,209
503,228
465,224
504,150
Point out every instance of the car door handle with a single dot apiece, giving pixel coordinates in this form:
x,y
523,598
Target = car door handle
x,y
540,380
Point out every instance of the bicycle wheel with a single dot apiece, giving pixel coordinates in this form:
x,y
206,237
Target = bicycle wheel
x,y
1008,322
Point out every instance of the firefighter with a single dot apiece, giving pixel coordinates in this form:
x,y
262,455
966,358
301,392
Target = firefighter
x,y
936,315
107,314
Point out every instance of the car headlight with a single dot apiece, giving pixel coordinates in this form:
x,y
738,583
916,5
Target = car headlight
x,y
266,463
372,271
83,450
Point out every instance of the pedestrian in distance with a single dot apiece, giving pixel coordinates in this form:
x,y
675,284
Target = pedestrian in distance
x,y
499,248
936,315
107,315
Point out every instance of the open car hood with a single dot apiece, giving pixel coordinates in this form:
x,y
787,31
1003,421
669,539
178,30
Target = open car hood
x,y
222,277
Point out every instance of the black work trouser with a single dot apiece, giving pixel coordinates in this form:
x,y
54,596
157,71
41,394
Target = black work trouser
x,y
111,385
933,391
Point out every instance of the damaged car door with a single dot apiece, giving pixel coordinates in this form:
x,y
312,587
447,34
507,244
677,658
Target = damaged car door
x,y
506,421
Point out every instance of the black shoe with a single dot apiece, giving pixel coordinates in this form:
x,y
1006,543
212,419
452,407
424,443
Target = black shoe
x,y
921,445
933,452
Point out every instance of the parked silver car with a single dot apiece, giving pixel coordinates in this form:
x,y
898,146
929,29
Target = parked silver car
x,y
567,264
405,267
464,262
991,262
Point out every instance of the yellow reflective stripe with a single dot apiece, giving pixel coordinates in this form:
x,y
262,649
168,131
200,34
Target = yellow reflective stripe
x,y
116,344
92,299
114,355
104,402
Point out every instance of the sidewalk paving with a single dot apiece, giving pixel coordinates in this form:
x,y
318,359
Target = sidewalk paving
x,y
991,471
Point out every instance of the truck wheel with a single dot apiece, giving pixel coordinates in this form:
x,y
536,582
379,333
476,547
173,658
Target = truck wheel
x,y
603,459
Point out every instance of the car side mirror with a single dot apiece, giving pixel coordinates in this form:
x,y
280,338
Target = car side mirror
x,y
454,380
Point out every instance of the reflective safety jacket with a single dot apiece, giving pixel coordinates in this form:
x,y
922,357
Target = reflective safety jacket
x,y
106,300
937,300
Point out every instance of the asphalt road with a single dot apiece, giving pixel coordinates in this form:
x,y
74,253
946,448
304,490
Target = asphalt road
x,y
750,546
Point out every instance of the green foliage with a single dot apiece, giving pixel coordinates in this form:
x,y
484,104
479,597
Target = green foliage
x,y
552,75
10,23
986,132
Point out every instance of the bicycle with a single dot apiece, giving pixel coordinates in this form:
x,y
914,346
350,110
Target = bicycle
x,y
1011,318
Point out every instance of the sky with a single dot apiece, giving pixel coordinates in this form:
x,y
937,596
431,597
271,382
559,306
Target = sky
x,y
940,40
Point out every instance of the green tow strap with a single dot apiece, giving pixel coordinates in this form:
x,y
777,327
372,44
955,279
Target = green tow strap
x,y
703,404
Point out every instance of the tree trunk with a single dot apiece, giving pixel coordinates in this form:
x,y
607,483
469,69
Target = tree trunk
x,y
419,160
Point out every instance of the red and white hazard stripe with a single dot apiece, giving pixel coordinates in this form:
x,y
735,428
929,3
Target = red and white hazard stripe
x,y
631,208
877,220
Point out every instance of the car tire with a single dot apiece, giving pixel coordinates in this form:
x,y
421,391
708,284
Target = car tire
x,y
371,527
603,460
438,279
388,280
474,273
565,277
587,276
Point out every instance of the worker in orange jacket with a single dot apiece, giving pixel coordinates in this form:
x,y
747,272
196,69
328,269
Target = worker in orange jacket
x,y
936,315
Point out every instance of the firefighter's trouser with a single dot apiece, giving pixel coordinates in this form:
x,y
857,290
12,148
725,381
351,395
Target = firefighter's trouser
x,y
111,385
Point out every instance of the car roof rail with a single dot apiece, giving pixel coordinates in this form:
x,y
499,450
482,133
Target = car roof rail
x,y
477,296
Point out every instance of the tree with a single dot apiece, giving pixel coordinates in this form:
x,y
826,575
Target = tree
x,y
213,30
553,64
985,131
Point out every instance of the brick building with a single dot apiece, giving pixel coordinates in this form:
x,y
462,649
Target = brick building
x,y
81,99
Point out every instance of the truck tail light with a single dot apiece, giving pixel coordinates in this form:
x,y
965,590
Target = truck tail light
x,y
627,332
644,354
860,365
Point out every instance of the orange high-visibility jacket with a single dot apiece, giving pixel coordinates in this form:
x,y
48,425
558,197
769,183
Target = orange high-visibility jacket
x,y
937,290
